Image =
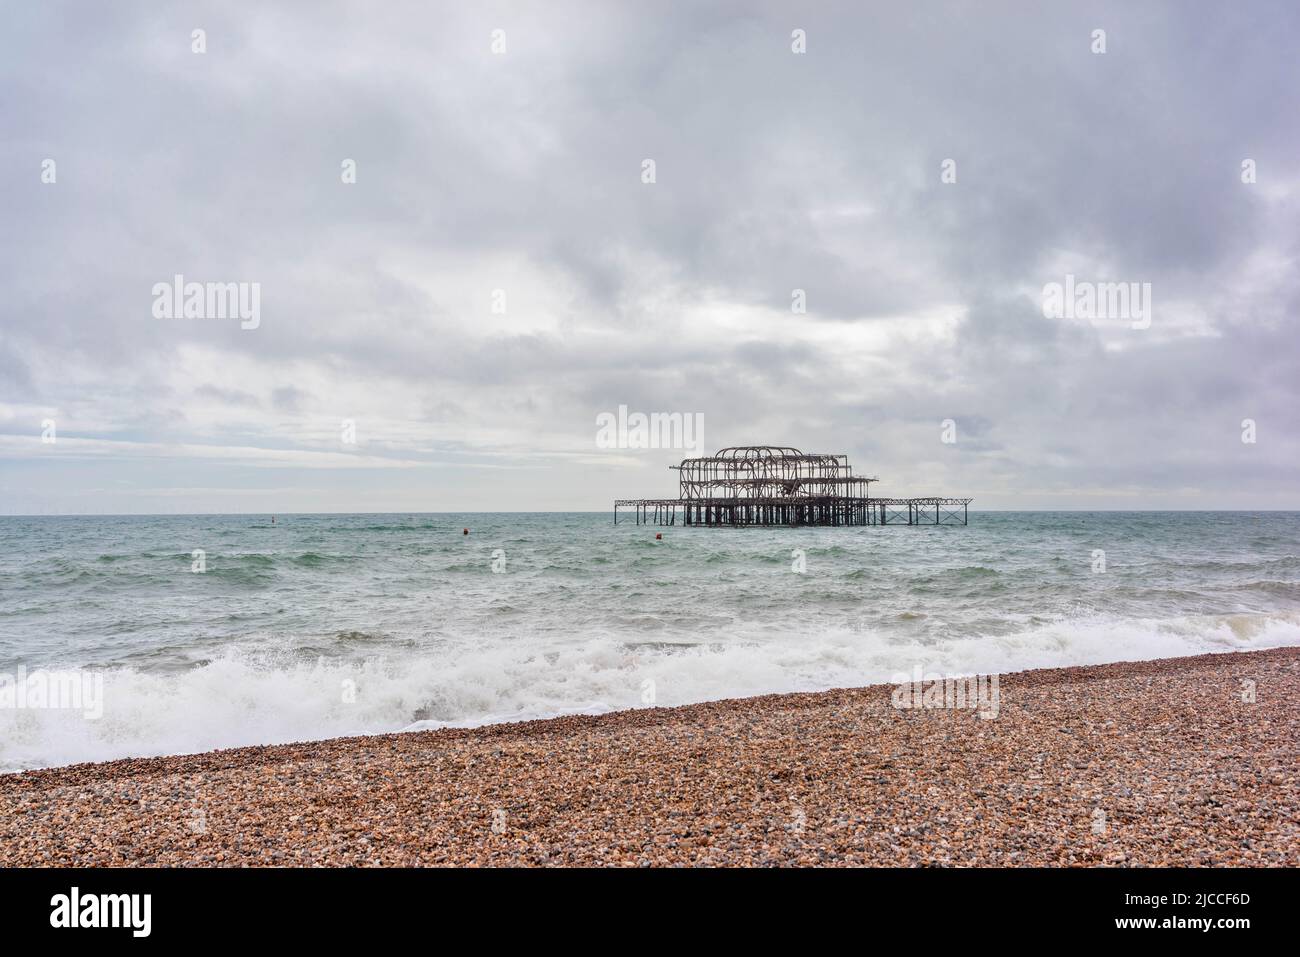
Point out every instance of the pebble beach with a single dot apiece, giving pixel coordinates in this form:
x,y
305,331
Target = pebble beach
x,y
1186,761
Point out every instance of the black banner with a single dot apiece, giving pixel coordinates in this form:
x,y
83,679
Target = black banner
x,y
333,906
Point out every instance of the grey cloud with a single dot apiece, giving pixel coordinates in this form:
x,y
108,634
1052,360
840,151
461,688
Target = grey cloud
x,y
775,172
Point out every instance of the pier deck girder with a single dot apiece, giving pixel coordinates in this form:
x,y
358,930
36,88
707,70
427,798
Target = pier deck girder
x,y
771,485
796,511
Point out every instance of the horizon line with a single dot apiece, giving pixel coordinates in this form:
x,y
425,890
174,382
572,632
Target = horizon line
x,y
1209,511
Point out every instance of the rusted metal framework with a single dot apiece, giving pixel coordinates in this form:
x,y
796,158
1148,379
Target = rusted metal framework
x,y
778,485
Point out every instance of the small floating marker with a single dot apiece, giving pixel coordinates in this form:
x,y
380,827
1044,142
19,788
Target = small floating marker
x,y
659,536
464,531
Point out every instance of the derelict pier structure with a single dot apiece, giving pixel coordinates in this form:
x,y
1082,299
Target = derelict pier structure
x,y
775,485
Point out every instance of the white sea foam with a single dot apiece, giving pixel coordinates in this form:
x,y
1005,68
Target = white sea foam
x,y
245,697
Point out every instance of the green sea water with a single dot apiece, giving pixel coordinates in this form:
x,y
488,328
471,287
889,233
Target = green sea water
x,y
324,625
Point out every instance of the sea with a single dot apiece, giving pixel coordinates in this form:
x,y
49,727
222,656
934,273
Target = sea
x,y
213,631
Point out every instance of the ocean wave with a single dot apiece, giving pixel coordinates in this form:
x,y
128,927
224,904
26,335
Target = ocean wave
x,y
250,575
1280,562
405,527
249,559
360,637
974,571
275,693
318,559
1271,586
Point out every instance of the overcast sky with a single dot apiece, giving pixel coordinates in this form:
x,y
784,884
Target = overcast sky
x,y
522,171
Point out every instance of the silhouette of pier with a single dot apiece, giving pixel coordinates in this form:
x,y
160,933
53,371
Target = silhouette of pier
x,y
776,485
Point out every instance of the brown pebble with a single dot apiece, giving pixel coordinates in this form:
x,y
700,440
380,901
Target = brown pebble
x,y
1185,773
